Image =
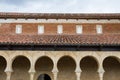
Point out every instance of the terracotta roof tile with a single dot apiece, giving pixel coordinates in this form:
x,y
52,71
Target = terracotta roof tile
x,y
105,39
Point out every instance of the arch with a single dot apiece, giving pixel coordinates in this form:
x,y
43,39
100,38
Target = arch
x,y
44,64
89,67
112,56
16,56
13,57
66,66
42,57
3,64
111,65
67,56
20,66
93,58
44,77
49,59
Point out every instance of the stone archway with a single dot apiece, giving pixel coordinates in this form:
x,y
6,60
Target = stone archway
x,y
3,64
43,65
66,66
44,77
21,66
112,68
89,67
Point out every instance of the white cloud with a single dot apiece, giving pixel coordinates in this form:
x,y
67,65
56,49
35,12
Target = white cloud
x,y
61,6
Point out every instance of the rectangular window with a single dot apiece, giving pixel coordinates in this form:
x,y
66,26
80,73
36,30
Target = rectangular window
x,y
79,29
40,29
99,29
18,29
59,29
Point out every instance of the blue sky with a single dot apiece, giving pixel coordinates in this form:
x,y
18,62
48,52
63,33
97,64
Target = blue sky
x,y
60,6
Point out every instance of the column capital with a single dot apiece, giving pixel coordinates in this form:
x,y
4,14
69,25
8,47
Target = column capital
x,y
78,68
78,71
55,71
31,71
8,71
101,70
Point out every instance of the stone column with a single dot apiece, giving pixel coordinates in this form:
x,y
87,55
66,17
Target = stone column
x,y
101,73
55,75
55,72
55,69
78,74
32,69
32,75
8,69
8,73
78,70
101,70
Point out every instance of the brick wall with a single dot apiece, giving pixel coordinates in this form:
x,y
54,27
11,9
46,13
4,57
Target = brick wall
x,y
51,28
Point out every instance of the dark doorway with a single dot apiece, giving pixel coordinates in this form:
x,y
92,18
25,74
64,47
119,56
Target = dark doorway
x,y
44,77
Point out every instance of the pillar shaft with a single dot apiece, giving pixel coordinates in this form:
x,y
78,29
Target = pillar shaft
x,y
78,70
55,70
31,75
55,75
8,75
101,75
78,74
101,71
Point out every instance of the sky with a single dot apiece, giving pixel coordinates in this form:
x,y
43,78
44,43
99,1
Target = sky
x,y
60,6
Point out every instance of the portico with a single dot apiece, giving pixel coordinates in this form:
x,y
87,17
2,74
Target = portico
x,y
59,65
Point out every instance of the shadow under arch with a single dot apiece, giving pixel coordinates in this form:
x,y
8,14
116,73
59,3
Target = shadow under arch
x,y
66,66
20,65
16,56
94,58
44,57
3,64
89,66
44,65
67,56
111,65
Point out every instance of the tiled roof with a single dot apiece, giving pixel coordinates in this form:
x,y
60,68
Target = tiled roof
x,y
61,15
103,39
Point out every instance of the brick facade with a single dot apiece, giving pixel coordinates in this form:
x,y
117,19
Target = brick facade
x,y
51,28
